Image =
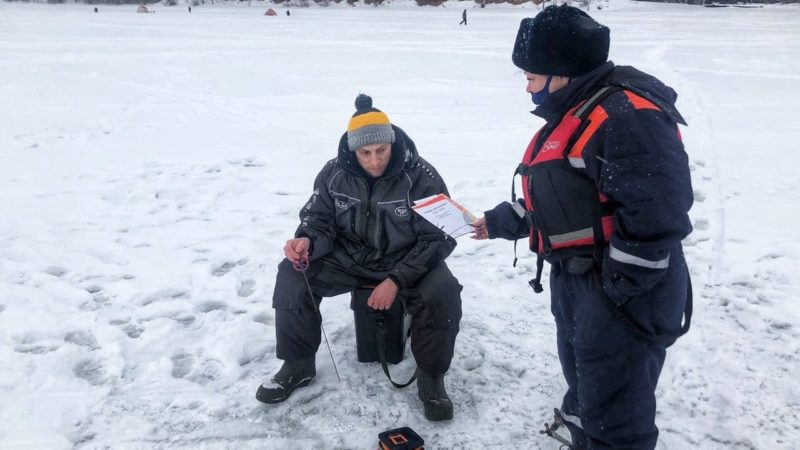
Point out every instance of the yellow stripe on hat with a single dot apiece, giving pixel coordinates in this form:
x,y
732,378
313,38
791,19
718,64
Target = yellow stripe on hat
x,y
370,118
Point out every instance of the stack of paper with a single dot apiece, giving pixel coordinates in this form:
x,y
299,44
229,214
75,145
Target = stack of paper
x,y
446,214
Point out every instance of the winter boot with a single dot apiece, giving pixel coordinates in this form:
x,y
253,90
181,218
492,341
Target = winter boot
x,y
292,375
434,398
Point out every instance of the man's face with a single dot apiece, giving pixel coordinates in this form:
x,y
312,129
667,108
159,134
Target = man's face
x,y
374,158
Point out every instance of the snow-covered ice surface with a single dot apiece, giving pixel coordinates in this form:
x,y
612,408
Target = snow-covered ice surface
x,y
152,166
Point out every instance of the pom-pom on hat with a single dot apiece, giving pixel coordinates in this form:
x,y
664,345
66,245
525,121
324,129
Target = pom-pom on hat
x,y
562,41
368,125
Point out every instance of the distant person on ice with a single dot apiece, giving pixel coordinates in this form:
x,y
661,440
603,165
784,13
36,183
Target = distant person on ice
x,y
463,18
358,229
606,194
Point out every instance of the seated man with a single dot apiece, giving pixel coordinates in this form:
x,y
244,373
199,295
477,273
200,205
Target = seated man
x,y
358,229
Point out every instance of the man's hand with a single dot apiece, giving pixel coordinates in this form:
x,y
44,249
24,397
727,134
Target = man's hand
x,y
383,295
297,250
479,230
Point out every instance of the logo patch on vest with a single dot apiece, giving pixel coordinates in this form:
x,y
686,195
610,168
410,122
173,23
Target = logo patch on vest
x,y
401,211
341,203
551,145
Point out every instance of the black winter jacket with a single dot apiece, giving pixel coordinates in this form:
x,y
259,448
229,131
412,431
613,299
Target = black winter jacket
x,y
370,226
637,160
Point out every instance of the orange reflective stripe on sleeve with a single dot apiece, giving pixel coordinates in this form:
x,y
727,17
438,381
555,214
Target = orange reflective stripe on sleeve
x,y
640,102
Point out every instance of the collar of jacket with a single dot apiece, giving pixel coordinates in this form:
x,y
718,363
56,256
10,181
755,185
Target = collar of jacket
x,y
404,155
626,77
559,102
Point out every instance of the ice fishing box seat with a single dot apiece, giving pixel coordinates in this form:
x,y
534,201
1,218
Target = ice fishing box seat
x,y
395,321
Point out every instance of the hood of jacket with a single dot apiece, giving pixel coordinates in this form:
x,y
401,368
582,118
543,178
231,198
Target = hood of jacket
x,y
404,155
626,77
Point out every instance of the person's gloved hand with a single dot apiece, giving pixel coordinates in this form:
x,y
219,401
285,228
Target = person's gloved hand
x,y
613,284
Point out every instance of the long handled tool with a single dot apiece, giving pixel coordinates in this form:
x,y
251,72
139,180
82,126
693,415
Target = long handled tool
x,y
301,267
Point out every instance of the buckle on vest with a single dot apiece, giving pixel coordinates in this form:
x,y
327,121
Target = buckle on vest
x,y
529,220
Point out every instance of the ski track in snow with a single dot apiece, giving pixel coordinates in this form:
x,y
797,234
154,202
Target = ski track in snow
x,y
138,259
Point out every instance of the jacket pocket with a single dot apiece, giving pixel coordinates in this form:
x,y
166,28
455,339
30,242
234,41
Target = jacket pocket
x,y
347,209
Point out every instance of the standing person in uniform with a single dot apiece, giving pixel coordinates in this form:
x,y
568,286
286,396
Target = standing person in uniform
x,y
607,192
463,18
358,229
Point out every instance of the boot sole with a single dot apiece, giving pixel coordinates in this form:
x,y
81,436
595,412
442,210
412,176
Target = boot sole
x,y
273,401
433,418
436,417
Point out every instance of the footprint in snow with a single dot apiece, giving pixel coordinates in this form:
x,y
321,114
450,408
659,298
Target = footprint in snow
x,y
2,308
699,196
185,320
209,306
91,371
35,349
82,338
223,269
100,298
254,351
55,271
246,288
701,224
164,294
133,330
252,163
182,365
266,317
473,361
90,306
93,289
781,326
210,370
227,267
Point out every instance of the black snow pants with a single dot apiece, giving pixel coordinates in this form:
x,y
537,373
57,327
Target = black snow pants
x,y
610,368
435,306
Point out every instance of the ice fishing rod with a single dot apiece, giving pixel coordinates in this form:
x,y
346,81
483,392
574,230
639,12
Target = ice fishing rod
x,y
301,266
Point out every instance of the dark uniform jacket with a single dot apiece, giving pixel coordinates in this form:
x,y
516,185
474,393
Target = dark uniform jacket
x,y
636,160
367,224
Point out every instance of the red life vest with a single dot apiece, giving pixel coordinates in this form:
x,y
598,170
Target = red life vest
x,y
566,213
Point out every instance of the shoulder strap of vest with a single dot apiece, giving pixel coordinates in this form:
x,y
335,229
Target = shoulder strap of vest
x,y
583,111
587,107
